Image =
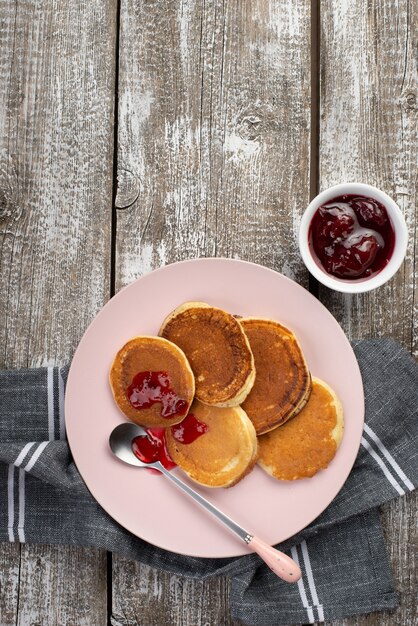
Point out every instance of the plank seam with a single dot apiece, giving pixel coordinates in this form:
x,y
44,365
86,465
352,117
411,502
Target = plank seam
x,y
315,112
109,564
115,156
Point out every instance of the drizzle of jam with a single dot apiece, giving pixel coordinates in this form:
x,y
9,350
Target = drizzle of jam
x,y
153,448
189,429
148,388
352,236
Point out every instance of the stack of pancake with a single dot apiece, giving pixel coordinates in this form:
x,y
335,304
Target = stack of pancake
x,y
247,380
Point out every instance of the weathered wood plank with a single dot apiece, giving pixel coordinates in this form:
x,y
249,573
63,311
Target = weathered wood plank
x,y
9,582
56,134
213,159
53,582
368,133
213,132
157,598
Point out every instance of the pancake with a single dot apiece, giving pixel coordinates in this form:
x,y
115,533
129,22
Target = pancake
x,y
167,394
217,349
283,382
308,442
224,454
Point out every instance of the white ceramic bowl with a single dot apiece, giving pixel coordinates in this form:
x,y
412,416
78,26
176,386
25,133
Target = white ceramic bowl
x,y
359,285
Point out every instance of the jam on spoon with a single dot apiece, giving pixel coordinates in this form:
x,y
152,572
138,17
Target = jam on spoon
x,y
352,236
153,448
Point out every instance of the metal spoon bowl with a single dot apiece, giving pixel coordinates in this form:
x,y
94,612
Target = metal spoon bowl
x,y
120,442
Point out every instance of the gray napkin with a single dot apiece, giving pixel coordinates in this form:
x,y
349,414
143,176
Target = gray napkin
x,y
342,553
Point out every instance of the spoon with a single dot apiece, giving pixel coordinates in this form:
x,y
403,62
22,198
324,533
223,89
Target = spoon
x,y
120,442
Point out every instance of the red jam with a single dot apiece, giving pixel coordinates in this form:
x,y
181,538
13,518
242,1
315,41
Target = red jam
x,y
153,448
148,388
189,429
352,236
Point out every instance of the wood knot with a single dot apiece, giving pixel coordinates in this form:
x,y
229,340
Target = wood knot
x,y
259,123
128,188
410,101
249,126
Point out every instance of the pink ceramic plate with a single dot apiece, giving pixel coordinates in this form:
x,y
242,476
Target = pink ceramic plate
x,y
146,504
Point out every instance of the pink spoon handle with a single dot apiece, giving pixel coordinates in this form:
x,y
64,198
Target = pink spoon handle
x,y
281,564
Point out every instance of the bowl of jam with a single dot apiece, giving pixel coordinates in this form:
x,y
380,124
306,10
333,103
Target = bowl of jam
x,y
353,237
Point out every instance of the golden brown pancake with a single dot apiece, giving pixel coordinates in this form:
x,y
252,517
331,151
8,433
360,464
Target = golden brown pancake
x,y
224,454
308,442
283,382
153,354
217,349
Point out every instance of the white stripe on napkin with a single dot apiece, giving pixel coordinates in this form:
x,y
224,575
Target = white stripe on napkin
x,y
36,456
389,457
311,581
383,467
23,453
50,387
41,447
10,502
10,494
61,404
301,588
21,521
22,502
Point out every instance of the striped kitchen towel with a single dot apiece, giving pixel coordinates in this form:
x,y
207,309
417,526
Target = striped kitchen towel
x,y
342,553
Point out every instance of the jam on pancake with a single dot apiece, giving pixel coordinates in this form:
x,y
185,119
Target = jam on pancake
x,y
148,388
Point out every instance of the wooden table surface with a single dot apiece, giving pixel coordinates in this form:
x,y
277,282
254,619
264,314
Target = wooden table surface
x,y
142,132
